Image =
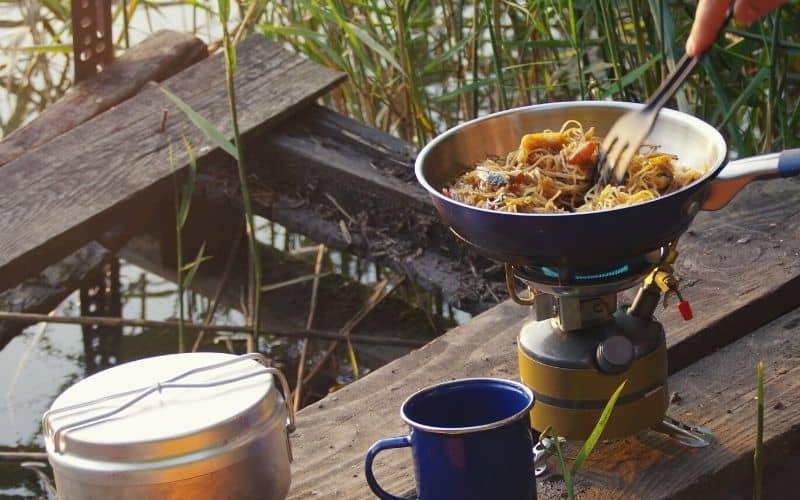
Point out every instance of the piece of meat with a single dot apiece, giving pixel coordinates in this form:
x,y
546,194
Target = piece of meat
x,y
584,154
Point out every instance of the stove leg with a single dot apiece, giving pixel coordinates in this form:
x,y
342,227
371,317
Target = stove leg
x,y
688,435
542,450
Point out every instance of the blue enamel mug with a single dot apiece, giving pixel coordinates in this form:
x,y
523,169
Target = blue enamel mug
x,y
470,440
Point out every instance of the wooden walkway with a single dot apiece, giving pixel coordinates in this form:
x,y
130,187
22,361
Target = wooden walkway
x,y
352,187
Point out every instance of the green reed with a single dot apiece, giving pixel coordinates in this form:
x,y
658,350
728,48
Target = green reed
x,y
474,57
569,473
416,68
758,453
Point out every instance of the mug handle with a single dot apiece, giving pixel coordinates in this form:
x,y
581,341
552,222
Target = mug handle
x,y
379,446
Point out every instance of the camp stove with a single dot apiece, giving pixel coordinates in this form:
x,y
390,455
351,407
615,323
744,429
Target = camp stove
x,y
581,345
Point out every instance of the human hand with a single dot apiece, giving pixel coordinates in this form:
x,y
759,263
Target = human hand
x,y
710,15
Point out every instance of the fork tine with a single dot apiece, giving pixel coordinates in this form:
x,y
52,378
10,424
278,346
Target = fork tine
x,y
628,132
623,162
609,153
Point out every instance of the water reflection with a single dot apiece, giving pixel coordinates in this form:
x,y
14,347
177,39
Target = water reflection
x,y
40,363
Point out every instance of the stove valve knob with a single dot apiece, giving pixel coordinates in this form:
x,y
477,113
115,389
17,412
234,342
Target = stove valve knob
x,y
615,354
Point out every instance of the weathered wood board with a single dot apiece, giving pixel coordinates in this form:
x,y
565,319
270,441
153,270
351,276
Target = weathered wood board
x,y
334,434
321,171
717,392
116,165
158,57
326,157
739,268
45,291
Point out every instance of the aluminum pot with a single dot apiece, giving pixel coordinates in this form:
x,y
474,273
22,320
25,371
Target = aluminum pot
x,y
181,426
585,239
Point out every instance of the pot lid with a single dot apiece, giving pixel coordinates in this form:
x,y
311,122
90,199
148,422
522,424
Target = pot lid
x,y
161,407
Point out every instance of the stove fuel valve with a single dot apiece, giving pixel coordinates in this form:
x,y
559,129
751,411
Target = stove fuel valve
x,y
660,281
666,282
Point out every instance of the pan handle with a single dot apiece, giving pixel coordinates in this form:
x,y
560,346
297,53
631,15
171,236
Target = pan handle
x,y
739,173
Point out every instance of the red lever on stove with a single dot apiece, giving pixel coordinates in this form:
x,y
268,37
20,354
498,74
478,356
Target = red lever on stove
x,y
685,309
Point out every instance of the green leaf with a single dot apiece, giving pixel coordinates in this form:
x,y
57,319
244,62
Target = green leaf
x,y
230,52
293,281
189,265
470,87
665,27
632,76
204,125
594,437
758,465
192,267
436,63
746,93
351,354
186,197
370,42
565,473
224,10
57,8
293,31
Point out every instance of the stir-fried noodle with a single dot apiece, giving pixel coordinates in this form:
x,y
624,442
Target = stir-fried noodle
x,y
552,172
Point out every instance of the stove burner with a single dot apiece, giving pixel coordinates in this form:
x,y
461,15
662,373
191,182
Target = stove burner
x,y
592,281
613,273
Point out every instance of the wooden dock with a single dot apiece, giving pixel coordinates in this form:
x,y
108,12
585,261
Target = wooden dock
x,y
741,270
79,193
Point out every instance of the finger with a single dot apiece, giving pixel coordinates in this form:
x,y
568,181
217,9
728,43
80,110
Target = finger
x,y
708,19
748,11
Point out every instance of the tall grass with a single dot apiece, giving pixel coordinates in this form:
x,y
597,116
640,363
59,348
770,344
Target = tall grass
x,y
417,68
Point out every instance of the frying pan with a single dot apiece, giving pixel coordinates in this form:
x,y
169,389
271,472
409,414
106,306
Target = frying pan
x,y
586,239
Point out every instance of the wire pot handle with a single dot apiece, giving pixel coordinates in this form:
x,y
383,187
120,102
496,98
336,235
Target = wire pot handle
x,y
172,383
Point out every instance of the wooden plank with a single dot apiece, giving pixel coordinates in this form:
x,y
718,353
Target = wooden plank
x,y
118,160
159,56
333,435
328,160
367,410
716,392
739,268
464,282
44,292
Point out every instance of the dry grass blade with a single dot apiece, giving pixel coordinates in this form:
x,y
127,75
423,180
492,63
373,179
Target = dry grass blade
x,y
380,292
312,309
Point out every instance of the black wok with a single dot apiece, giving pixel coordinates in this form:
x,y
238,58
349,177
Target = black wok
x,y
586,239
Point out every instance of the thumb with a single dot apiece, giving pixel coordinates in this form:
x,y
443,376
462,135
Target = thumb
x,y
708,20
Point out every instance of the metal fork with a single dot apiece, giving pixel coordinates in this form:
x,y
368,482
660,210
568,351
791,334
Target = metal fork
x,y
630,130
